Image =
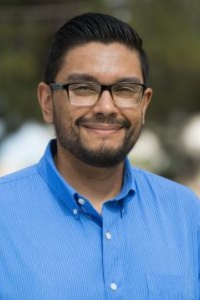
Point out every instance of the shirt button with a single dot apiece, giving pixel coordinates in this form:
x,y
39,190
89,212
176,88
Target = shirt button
x,y
75,211
81,201
113,286
108,235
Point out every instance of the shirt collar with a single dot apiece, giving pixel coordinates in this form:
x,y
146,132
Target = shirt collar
x,y
128,181
49,172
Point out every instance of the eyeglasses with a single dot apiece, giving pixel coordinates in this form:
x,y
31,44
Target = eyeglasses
x,y
124,94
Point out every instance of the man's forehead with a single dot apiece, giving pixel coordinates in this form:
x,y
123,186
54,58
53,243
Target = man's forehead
x,y
94,58
94,47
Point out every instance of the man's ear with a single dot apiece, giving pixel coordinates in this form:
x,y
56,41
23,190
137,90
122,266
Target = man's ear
x,y
147,99
45,101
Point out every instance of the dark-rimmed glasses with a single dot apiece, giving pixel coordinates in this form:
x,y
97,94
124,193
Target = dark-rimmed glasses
x,y
124,94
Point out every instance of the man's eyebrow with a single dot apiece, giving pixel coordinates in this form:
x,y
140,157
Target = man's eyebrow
x,y
129,79
82,77
76,77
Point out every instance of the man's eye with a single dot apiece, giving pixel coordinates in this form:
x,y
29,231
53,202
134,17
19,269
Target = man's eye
x,y
127,89
83,88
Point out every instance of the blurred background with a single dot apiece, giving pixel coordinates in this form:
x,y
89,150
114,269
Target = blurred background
x,y
170,143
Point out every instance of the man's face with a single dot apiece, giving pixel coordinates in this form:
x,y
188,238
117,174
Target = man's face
x,y
103,134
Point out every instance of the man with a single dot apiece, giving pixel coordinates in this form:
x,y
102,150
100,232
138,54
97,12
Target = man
x,y
83,223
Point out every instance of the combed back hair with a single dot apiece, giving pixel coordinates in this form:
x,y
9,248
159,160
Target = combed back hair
x,y
92,27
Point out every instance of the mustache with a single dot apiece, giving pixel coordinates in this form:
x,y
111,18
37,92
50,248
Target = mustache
x,y
103,120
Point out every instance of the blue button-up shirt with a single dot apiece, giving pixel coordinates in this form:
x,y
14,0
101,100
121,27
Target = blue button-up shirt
x,y
54,244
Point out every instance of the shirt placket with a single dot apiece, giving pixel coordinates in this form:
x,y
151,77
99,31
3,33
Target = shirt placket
x,y
112,254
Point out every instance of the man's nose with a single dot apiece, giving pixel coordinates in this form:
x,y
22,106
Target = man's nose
x,y
105,104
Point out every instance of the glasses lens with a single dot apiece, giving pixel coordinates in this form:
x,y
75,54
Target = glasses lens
x,y
127,94
83,94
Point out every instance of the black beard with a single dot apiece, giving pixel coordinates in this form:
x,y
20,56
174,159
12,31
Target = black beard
x,y
102,157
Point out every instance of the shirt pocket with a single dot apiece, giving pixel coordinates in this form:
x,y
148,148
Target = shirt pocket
x,y
170,288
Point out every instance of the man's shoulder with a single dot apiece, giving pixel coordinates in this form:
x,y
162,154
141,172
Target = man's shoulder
x,y
165,195
18,176
161,185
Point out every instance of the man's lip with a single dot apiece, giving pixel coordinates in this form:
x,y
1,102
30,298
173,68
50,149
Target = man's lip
x,y
103,123
103,126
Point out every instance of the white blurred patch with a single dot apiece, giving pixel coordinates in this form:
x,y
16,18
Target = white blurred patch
x,y
191,136
148,153
25,147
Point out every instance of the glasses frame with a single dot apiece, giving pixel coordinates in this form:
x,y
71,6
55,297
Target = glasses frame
x,y
103,87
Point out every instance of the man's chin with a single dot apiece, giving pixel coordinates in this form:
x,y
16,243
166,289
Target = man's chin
x,y
103,159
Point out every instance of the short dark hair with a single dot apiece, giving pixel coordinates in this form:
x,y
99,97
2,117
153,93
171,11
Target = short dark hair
x,y
92,27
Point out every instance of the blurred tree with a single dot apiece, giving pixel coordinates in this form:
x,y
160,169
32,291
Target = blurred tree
x,y
171,30
25,32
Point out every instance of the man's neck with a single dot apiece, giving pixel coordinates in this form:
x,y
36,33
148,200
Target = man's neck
x,y
95,184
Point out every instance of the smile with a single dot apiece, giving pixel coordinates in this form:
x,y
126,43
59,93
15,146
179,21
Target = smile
x,y
103,129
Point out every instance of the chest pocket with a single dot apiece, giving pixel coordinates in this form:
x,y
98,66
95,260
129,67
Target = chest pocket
x,y
170,288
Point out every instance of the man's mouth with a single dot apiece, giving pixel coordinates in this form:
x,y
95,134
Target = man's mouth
x,y
103,126
101,123
100,129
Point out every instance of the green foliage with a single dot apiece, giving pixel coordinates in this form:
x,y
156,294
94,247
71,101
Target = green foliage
x,y
170,30
20,71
